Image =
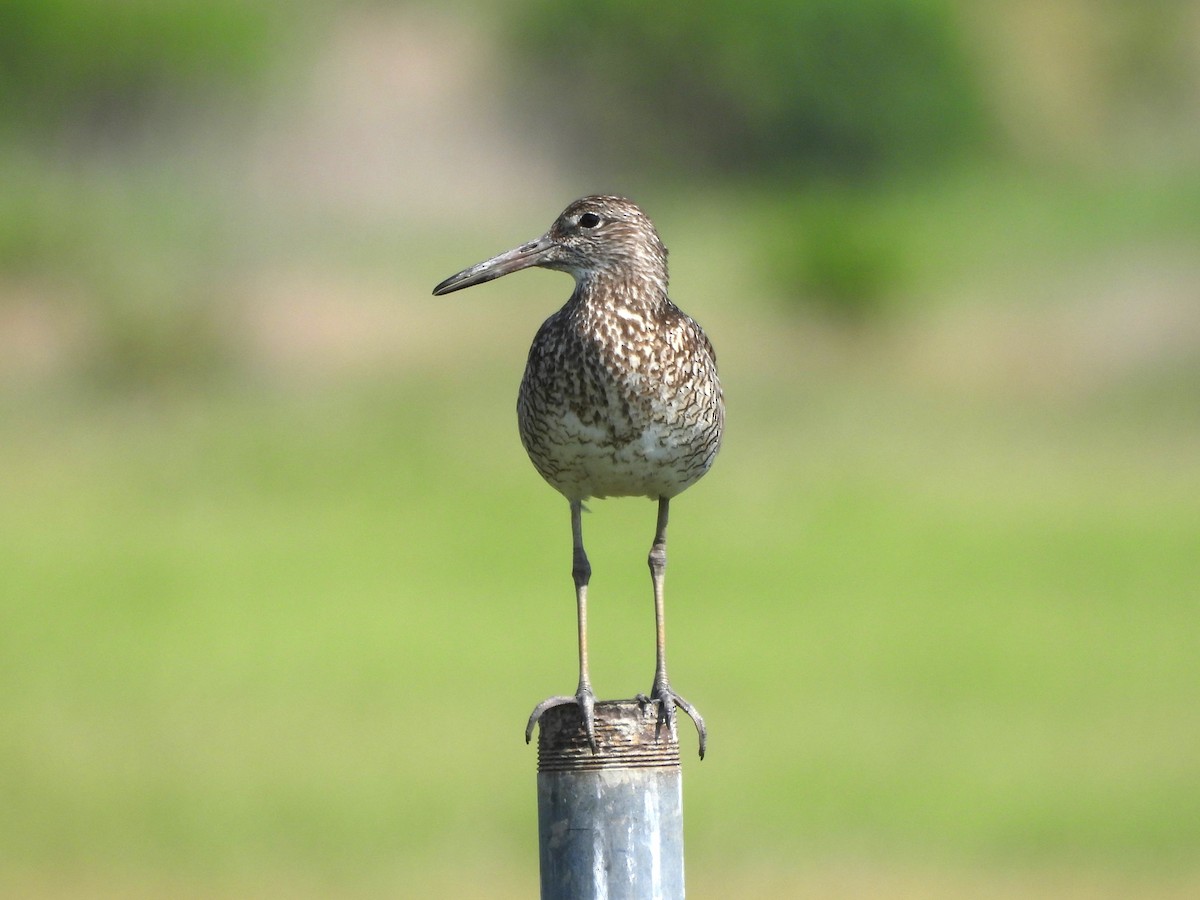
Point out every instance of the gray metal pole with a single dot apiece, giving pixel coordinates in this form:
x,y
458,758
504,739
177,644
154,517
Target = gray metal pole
x,y
610,823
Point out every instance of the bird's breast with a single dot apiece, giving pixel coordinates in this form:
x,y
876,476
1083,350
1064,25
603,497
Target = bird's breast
x,y
613,413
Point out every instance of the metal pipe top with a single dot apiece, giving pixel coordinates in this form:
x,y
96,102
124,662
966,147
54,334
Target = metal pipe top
x,y
628,736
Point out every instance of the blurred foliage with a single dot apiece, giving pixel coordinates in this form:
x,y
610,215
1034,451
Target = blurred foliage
x,y
137,257
835,254
826,91
1148,70
829,107
101,206
824,86
102,64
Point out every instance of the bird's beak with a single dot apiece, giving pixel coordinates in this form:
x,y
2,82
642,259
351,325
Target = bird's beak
x,y
533,253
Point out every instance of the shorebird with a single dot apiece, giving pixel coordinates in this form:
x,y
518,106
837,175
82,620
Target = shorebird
x,y
620,398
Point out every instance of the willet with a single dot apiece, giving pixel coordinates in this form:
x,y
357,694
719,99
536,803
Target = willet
x,y
620,396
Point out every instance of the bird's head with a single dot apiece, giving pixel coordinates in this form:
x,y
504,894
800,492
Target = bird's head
x,y
597,238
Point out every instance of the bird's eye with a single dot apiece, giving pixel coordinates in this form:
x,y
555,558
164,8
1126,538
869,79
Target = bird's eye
x,y
589,220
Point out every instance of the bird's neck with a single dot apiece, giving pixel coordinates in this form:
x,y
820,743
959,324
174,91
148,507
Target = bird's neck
x,y
636,292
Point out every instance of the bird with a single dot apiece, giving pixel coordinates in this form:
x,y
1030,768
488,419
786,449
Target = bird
x,y
620,398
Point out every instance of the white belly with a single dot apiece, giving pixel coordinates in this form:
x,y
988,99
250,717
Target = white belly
x,y
588,461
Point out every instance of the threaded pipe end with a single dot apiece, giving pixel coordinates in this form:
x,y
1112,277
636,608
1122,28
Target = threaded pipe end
x,y
627,737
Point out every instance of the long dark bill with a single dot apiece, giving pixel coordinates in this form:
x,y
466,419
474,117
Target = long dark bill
x,y
530,254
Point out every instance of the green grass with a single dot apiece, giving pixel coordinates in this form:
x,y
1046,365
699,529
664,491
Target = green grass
x,y
286,642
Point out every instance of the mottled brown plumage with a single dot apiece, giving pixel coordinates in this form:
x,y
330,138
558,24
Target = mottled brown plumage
x,y
620,395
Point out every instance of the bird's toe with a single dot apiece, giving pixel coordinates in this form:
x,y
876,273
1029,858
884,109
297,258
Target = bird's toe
x,y
668,700
583,698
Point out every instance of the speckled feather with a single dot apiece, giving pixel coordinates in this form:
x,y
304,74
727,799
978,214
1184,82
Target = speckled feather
x,y
620,395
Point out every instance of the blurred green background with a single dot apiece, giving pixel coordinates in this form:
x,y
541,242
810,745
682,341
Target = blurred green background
x,y
278,586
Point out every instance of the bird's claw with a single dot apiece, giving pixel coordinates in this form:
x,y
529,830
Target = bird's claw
x,y
667,701
586,701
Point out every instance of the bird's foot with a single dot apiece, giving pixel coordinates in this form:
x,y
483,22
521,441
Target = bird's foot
x,y
667,701
587,708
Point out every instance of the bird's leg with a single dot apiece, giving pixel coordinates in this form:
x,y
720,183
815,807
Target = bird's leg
x,y
581,572
662,692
